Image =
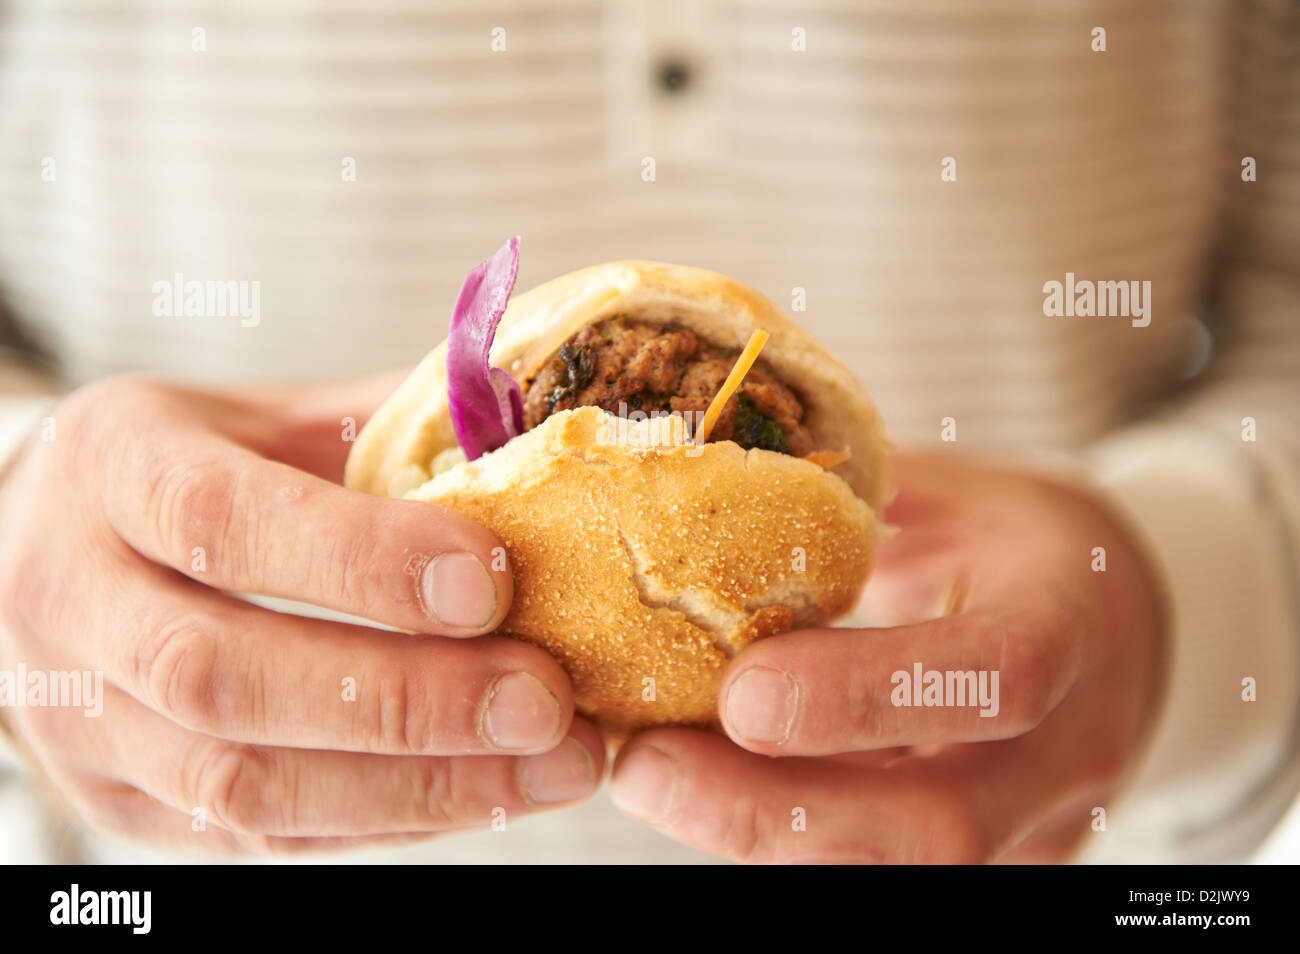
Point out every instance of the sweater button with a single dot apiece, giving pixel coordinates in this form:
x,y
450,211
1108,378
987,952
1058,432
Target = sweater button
x,y
674,75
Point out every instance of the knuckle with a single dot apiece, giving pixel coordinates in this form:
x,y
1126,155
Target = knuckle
x,y
194,504
869,714
88,402
177,669
440,794
86,419
740,834
406,719
420,728
347,567
232,784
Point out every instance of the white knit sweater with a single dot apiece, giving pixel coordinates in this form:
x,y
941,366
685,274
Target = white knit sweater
x,y
916,171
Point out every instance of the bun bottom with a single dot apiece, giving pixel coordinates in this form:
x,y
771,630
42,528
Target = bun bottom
x,y
643,564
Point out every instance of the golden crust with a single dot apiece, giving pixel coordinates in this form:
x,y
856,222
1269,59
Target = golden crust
x,y
636,563
414,425
650,562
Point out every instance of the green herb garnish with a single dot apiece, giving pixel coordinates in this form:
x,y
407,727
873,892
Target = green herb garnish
x,y
578,365
753,428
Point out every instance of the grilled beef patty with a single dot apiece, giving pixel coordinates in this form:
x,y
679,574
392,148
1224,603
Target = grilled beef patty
x,y
665,368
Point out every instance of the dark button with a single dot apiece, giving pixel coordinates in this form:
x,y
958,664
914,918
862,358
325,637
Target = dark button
x,y
674,75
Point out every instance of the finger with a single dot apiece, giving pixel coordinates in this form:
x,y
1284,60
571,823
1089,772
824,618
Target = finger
x,y
233,520
1034,793
700,789
257,790
973,676
111,808
916,571
966,804
1040,792
217,665
118,810
943,542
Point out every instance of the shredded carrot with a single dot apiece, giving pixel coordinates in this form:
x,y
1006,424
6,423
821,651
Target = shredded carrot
x,y
826,459
729,386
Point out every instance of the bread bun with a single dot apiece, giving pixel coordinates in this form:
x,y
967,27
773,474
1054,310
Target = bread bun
x,y
643,562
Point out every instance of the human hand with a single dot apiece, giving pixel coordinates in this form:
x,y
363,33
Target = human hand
x,y
1079,656
120,541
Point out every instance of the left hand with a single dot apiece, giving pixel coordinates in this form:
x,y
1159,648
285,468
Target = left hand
x,y
1080,659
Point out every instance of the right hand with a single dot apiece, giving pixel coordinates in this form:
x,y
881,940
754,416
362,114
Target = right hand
x,y
120,542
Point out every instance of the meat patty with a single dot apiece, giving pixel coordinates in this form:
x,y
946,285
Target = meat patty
x,y
761,403
665,368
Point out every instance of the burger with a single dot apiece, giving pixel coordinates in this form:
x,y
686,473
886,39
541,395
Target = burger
x,y
674,467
